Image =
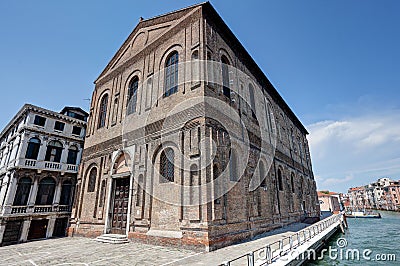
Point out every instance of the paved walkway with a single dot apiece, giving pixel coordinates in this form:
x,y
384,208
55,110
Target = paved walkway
x,y
228,253
85,251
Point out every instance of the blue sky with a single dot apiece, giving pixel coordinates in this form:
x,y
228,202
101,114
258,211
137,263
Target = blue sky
x,y
336,63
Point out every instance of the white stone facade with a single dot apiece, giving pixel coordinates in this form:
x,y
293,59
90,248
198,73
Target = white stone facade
x,y
39,156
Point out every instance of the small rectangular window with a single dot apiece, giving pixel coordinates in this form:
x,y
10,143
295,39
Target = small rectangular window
x,y
76,130
59,126
39,120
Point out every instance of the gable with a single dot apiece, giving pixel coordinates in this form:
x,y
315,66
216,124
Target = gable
x,y
139,41
145,33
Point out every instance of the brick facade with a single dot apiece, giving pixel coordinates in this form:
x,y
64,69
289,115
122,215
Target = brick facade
x,y
130,146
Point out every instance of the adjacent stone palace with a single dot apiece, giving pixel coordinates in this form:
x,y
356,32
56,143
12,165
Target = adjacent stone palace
x,y
39,156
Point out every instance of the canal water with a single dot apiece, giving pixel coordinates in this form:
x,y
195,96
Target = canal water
x,y
377,241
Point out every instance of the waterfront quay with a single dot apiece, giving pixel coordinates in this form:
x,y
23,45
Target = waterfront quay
x,y
377,236
85,251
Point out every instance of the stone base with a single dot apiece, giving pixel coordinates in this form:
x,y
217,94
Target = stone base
x,y
217,236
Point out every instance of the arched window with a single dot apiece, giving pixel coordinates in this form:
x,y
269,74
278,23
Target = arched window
x,y
45,192
263,178
92,179
132,95
292,182
33,149
171,74
103,111
66,191
234,175
252,101
23,189
54,151
225,76
167,169
280,181
72,155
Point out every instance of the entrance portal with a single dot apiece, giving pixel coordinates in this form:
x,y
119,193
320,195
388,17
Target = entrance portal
x,y
120,206
38,229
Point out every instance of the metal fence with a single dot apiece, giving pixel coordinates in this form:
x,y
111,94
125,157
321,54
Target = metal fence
x,y
272,251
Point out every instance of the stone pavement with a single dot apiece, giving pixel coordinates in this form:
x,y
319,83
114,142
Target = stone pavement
x,y
85,251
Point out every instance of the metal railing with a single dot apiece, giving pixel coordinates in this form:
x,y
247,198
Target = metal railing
x,y
272,251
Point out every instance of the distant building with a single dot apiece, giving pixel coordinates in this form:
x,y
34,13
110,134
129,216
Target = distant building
x,y
344,201
329,201
384,194
39,156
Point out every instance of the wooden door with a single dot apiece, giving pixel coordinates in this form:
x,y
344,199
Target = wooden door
x,y
38,229
120,206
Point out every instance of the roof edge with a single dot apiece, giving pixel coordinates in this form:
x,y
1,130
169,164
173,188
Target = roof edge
x,y
246,55
26,107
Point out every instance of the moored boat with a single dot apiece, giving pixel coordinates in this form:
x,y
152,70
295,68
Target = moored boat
x,y
363,214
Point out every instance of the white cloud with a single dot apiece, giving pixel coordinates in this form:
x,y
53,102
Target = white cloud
x,y
355,150
335,181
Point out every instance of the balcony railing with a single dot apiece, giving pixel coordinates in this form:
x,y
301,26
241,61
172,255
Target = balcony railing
x,y
72,167
44,208
51,166
18,209
37,209
64,208
31,163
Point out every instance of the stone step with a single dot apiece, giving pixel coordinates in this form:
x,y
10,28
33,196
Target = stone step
x,y
112,239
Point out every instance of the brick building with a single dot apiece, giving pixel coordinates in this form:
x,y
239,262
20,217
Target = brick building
x,y
180,184
39,156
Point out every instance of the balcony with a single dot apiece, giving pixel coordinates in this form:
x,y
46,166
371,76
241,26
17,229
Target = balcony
x,y
41,209
37,209
72,167
49,166
18,209
52,166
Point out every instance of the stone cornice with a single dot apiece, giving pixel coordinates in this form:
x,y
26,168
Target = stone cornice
x,y
29,107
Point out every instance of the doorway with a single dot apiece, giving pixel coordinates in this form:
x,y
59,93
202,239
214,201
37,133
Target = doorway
x,y
38,229
120,206
12,232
